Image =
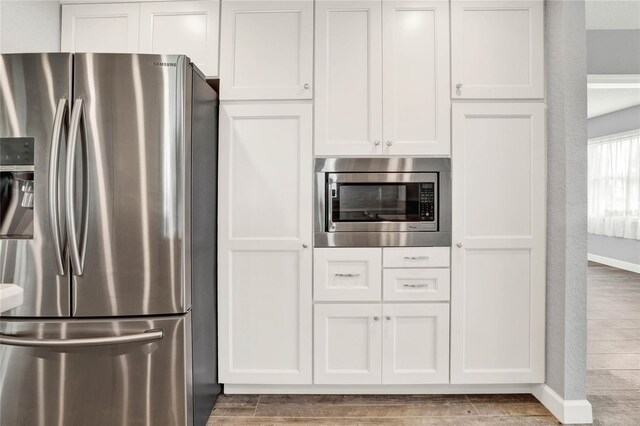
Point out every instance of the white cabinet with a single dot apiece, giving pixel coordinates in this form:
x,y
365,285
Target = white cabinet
x,y
416,107
348,341
185,27
264,244
111,28
497,49
498,258
415,347
381,344
347,274
266,49
348,93
416,257
357,42
180,27
414,285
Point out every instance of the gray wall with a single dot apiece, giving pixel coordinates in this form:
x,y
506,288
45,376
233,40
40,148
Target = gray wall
x,y
29,26
613,51
566,77
623,249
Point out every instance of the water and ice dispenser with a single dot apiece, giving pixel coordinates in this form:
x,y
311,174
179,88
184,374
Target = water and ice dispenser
x,y
16,188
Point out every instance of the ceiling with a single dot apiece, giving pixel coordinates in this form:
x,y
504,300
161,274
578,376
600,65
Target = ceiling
x,y
608,93
612,14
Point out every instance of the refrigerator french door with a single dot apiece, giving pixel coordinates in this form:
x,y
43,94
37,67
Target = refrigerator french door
x,y
124,167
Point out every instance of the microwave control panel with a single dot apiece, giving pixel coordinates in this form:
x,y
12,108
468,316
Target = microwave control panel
x,y
427,202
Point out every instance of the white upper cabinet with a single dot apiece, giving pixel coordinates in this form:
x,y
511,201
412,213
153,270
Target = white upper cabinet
x,y
348,92
357,42
182,27
185,27
106,28
266,49
416,101
497,49
498,231
264,244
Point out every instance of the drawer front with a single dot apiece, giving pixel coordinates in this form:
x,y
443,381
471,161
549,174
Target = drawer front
x,y
416,257
347,274
416,284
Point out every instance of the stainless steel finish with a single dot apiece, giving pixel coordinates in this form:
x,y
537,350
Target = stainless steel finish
x,y
459,245
415,285
346,275
389,143
31,86
27,194
145,336
392,177
416,257
138,117
441,238
127,383
376,318
57,230
77,248
16,220
388,318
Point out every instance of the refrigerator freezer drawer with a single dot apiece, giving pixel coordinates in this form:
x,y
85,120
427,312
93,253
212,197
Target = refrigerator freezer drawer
x,y
134,371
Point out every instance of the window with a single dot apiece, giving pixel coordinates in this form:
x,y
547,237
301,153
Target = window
x,y
614,185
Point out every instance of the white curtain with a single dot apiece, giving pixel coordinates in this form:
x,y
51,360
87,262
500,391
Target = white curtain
x,y
614,186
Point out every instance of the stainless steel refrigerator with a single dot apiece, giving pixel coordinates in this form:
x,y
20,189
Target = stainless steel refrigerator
x,y
108,203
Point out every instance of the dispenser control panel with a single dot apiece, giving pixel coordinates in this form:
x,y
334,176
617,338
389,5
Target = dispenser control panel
x,y
16,151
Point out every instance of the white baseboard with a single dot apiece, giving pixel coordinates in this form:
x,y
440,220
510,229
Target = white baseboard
x,y
627,266
567,411
378,389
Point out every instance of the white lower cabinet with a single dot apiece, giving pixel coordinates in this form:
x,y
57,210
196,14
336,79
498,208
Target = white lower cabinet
x,y
381,344
415,343
347,274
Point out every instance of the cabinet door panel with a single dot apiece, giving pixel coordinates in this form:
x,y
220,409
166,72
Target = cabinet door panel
x,y
497,49
267,49
415,343
348,99
265,265
347,344
186,27
347,274
498,263
417,103
100,28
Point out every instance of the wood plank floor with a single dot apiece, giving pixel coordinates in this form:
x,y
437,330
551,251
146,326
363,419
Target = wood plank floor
x,y
613,381
613,346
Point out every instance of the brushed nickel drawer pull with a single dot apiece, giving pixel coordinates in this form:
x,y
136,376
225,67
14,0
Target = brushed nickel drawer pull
x,y
346,275
416,257
415,285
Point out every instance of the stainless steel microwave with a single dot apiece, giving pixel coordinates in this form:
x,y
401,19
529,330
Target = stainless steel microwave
x,y
382,202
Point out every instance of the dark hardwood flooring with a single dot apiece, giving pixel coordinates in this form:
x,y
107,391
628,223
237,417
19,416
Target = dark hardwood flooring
x,y
613,381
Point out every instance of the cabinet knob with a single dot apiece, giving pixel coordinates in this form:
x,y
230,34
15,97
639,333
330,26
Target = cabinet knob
x,y
376,142
459,86
306,86
459,245
376,318
388,318
389,143
305,246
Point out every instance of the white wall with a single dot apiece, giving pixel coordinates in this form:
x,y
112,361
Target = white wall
x,y
29,26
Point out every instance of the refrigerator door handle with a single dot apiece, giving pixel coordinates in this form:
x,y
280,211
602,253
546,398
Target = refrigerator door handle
x,y
77,245
54,170
34,342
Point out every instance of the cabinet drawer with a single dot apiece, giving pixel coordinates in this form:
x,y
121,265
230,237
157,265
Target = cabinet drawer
x,y
416,284
416,257
347,274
